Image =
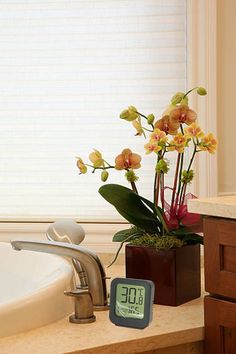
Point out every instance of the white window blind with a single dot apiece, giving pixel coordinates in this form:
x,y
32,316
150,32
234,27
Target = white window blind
x,y
67,69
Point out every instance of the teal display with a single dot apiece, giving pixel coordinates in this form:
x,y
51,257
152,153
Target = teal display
x,y
131,302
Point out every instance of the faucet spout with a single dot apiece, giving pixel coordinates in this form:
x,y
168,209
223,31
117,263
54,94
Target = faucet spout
x,y
91,263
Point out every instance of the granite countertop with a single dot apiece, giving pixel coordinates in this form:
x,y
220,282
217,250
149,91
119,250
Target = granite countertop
x,y
171,326
224,207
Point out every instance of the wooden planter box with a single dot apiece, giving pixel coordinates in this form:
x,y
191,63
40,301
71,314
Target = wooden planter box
x,y
175,272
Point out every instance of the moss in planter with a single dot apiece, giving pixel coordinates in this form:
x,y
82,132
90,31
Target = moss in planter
x,y
159,242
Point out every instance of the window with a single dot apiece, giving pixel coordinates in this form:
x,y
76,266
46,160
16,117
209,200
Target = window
x,y
67,69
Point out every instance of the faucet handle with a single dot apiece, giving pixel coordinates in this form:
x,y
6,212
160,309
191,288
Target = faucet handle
x,y
83,306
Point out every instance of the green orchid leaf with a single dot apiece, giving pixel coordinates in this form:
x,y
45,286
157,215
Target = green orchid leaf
x,y
131,207
183,230
122,235
156,210
191,239
127,239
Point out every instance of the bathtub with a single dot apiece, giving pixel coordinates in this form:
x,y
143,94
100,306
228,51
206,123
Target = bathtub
x,y
31,289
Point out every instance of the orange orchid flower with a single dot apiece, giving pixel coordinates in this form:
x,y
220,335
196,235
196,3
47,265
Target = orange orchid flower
x,y
168,126
194,131
158,135
183,114
152,146
127,159
208,143
178,143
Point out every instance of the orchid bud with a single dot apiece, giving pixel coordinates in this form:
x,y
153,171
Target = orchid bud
x,y
81,166
132,109
177,98
150,118
184,101
96,158
104,175
129,114
201,91
124,114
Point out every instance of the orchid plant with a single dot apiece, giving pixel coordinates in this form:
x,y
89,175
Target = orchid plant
x,y
176,130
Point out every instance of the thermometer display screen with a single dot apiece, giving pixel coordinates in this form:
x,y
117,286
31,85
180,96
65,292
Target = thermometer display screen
x,y
130,300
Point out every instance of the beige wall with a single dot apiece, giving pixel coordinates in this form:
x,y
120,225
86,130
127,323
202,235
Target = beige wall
x,y
226,94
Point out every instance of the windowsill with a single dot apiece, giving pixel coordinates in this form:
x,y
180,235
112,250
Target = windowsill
x,y
49,219
98,234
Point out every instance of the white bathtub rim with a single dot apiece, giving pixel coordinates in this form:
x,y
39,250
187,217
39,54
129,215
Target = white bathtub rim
x,y
40,306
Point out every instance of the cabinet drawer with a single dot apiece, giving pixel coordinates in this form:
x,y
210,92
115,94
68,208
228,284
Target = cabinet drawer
x,y
220,256
220,326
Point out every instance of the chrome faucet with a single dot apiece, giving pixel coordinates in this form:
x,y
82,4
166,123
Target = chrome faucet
x,y
68,231
92,265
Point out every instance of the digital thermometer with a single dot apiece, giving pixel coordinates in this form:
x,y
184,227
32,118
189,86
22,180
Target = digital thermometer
x,y
131,302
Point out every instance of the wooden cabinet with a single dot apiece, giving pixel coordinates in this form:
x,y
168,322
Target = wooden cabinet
x,y
220,282
220,326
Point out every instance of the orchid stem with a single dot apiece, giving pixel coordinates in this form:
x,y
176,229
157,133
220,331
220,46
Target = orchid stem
x,y
180,173
175,183
184,186
157,183
99,168
162,190
142,115
133,185
189,92
183,194
179,183
148,130
156,188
